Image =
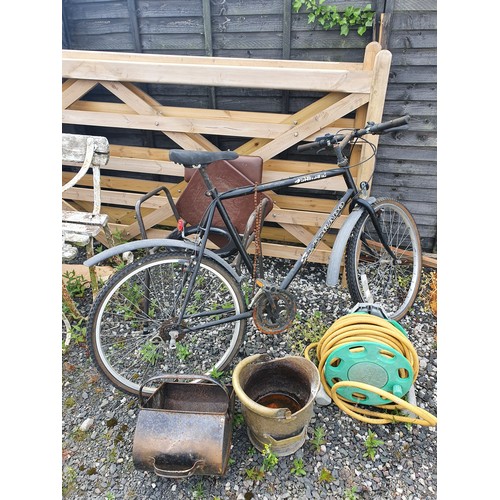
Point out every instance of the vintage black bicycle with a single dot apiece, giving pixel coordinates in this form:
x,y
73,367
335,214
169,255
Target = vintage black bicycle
x,y
183,308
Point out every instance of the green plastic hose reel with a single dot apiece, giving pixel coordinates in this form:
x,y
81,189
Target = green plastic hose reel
x,y
372,363
381,314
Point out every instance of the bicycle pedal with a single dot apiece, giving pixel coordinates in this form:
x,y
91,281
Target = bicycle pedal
x,y
266,286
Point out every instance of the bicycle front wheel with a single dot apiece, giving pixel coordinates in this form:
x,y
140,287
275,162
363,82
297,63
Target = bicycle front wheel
x,y
134,330
393,284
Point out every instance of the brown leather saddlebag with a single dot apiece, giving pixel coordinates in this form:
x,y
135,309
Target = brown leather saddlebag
x,y
225,175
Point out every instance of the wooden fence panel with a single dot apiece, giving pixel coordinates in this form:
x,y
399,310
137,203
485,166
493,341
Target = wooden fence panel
x,y
355,93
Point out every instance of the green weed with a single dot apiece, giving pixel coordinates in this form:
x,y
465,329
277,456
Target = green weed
x,y
270,459
182,352
371,445
350,494
76,284
325,476
215,373
298,467
319,438
150,352
304,332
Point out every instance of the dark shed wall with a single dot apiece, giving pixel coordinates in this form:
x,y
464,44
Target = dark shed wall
x,y
406,166
407,163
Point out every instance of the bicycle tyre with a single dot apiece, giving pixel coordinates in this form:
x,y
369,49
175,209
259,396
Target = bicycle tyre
x,y
394,286
129,342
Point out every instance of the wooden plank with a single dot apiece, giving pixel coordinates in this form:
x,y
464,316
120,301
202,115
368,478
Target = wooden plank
x,y
183,125
207,114
284,76
319,255
165,59
374,112
311,125
144,104
74,89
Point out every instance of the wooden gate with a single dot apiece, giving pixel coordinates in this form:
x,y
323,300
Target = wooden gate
x,y
354,94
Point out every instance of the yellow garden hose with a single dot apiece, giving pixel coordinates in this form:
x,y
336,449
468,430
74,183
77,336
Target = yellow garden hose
x,y
369,328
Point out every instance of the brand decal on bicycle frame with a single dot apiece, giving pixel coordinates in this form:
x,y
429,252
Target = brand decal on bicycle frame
x,y
309,178
321,233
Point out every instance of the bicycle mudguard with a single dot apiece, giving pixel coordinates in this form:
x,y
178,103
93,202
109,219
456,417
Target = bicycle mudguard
x,y
158,242
333,271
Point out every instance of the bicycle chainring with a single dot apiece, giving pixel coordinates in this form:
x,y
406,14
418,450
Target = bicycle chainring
x,y
283,316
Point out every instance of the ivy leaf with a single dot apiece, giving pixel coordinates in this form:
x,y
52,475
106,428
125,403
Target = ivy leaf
x,y
344,30
310,18
361,30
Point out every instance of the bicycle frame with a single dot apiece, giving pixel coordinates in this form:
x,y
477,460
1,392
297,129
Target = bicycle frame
x,y
350,194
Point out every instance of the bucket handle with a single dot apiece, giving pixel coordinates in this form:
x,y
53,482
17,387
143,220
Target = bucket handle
x,y
177,473
290,440
177,376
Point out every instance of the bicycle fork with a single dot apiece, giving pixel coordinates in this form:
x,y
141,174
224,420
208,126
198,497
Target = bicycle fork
x,y
371,212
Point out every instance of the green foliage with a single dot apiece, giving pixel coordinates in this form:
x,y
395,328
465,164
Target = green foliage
x,y
298,467
150,352
68,481
69,402
269,462
328,17
238,420
215,373
247,290
255,474
270,459
325,476
304,332
350,494
77,334
198,491
119,237
371,445
182,352
76,283
78,435
319,438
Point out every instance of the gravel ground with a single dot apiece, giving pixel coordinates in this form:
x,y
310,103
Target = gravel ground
x,y
98,425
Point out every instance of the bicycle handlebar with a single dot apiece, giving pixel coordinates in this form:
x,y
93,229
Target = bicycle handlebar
x,y
341,140
386,126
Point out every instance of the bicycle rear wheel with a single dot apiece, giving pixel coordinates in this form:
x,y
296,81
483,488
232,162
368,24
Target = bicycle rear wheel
x,y
133,330
393,285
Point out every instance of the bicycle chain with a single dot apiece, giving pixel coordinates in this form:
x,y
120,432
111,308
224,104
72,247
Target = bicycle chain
x,y
257,229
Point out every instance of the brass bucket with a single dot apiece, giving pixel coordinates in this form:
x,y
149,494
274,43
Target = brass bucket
x,y
184,429
277,397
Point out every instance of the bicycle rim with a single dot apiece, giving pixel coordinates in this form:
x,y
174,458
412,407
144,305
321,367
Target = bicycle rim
x,y
133,333
393,285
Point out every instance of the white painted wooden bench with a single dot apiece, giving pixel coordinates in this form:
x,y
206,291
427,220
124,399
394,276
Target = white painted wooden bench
x,y
80,228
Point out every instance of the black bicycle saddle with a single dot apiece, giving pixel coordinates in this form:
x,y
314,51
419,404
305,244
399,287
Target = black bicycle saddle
x,y
190,158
